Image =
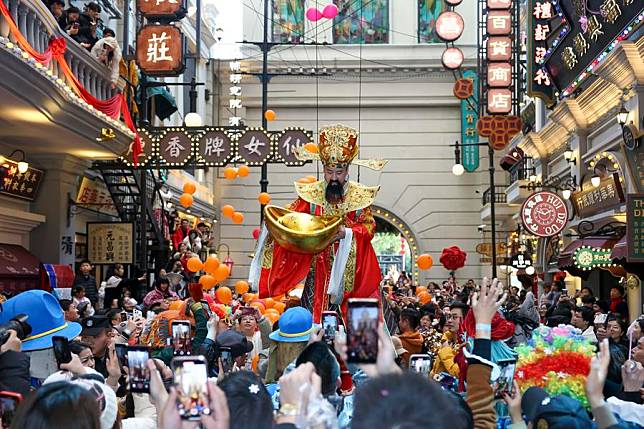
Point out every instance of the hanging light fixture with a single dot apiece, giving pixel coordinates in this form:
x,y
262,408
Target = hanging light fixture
x,y
458,169
23,165
596,181
622,116
566,193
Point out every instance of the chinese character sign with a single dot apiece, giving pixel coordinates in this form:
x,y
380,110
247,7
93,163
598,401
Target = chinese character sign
x,y
235,92
19,185
110,242
635,227
159,50
175,148
592,200
160,8
254,147
215,148
289,141
94,195
469,118
541,22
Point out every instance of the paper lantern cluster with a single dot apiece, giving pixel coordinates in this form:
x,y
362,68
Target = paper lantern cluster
x,y
330,11
229,212
186,199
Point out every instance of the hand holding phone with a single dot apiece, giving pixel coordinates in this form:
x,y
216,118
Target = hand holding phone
x,y
420,363
62,353
137,356
362,331
227,361
190,380
330,326
504,383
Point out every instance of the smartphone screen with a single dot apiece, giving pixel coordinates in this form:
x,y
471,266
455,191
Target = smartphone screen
x,y
137,356
600,319
190,380
330,325
503,384
227,361
181,343
61,350
362,335
8,403
137,313
420,363
121,353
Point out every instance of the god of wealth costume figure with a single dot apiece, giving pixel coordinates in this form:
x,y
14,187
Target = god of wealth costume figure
x,y
345,265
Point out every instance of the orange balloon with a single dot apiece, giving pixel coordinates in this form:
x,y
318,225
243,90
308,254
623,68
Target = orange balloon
x,y
311,179
207,281
224,295
270,115
424,261
248,297
258,305
175,305
273,317
211,264
189,188
279,306
243,170
241,287
424,297
228,210
195,264
311,147
221,273
238,218
264,198
230,173
186,200
279,298
420,289
269,302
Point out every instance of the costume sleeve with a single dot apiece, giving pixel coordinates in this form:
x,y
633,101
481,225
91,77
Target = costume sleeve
x,y
446,356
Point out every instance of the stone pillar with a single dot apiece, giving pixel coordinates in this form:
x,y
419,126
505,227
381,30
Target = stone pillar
x,y
61,182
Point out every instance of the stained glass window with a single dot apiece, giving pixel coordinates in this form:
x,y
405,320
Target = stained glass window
x,y
361,21
428,11
288,20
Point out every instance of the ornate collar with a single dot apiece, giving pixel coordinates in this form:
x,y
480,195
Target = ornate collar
x,y
356,196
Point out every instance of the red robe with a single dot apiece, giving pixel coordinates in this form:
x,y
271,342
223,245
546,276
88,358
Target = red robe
x,y
286,269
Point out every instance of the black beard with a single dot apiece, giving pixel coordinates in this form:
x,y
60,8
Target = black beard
x,y
334,192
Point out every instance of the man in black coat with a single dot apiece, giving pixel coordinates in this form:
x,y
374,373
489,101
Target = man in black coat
x,y
88,281
88,24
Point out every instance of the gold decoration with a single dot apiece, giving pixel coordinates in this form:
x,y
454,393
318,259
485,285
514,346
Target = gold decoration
x,y
356,197
350,270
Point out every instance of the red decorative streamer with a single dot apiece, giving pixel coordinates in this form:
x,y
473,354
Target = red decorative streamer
x,y
112,107
571,363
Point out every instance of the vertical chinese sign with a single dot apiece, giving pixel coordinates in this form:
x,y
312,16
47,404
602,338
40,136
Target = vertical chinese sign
x,y
160,45
543,19
635,227
110,242
469,136
235,92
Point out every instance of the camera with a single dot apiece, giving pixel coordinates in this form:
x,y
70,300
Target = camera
x,y
18,324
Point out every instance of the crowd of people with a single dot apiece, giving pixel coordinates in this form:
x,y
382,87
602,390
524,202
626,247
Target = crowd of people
x,y
127,361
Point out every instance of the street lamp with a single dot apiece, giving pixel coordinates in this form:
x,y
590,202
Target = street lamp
x,y
566,193
596,181
193,119
23,165
622,116
568,156
458,169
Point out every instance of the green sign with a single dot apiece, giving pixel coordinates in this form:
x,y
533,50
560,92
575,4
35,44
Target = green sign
x,y
635,227
586,258
469,117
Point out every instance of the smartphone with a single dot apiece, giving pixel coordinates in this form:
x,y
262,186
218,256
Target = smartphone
x,y
330,325
181,343
420,363
600,319
503,384
61,350
137,356
136,313
8,404
226,355
121,353
362,331
190,380
123,316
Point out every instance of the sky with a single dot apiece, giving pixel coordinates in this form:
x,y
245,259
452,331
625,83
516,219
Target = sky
x,y
230,20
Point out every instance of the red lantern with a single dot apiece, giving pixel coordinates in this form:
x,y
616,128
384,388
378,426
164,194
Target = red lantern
x,y
229,263
453,258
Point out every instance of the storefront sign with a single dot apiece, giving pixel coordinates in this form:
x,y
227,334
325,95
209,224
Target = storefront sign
x,y
590,29
521,261
215,148
635,227
469,118
255,147
175,148
19,185
635,164
591,200
544,18
586,258
486,248
288,141
544,214
159,50
94,195
110,242
452,58
235,91
449,26
160,8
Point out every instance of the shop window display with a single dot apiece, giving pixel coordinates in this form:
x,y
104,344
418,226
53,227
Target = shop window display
x,y
361,21
428,11
288,20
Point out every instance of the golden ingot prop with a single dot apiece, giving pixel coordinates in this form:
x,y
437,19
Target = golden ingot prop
x,y
301,232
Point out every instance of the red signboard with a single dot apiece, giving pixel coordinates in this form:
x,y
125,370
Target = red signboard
x,y
544,214
159,50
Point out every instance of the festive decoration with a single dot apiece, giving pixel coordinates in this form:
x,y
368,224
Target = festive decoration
x,y
256,233
228,210
330,11
313,14
453,258
557,360
211,264
269,303
230,173
279,306
424,261
224,295
463,88
186,200
237,218
273,317
241,287
248,297
195,264
586,258
258,305
221,273
207,281
189,188
420,289
270,115
499,129
311,147
243,170
264,198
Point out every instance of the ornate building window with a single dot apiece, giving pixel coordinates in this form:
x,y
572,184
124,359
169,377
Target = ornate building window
x,y
428,11
288,20
361,21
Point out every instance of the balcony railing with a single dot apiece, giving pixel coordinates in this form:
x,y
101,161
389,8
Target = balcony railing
x,y
522,170
499,195
38,26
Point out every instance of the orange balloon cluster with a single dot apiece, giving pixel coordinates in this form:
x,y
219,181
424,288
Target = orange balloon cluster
x,y
243,170
189,188
221,273
195,264
228,210
186,200
230,173
207,281
224,295
424,262
241,287
211,264
264,198
424,297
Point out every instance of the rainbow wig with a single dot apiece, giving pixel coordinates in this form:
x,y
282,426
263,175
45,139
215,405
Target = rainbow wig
x,y
557,360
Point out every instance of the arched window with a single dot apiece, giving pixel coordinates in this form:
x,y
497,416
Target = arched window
x,y
361,21
428,11
288,20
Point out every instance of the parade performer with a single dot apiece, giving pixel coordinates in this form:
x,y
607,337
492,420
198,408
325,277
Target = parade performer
x,y
348,267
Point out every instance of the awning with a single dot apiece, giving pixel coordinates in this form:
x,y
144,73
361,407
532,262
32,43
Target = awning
x,y
511,158
19,269
619,255
566,257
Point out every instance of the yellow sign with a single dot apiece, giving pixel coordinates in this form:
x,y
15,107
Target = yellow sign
x,y
94,195
110,242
